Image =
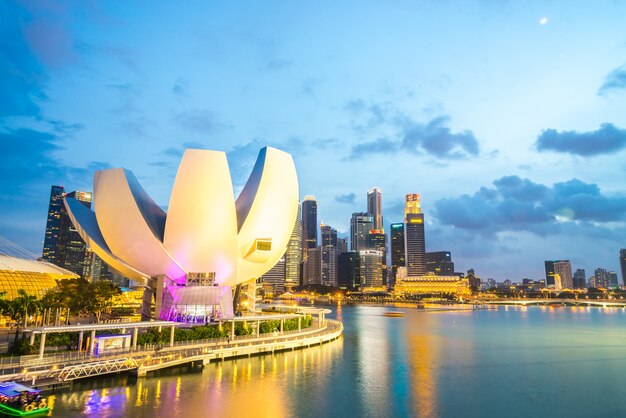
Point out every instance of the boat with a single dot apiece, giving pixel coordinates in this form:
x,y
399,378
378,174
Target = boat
x,y
394,314
17,400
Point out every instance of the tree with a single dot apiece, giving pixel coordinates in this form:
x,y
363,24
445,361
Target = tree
x,y
100,297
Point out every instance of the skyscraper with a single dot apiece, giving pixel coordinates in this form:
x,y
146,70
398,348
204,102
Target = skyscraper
x,y
329,235
375,207
397,249
377,240
293,255
309,223
348,270
371,262
549,266
564,269
63,246
622,263
440,263
329,255
313,266
414,239
360,225
580,279
276,277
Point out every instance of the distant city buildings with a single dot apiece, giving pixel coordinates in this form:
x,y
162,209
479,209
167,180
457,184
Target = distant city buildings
x,y
414,239
439,263
580,279
293,255
375,207
558,274
360,225
397,249
622,263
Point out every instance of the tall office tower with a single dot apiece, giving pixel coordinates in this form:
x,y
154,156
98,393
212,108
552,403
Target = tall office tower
x,y
377,240
397,249
549,266
601,278
329,255
612,279
63,246
293,255
329,235
375,207
414,240
622,263
360,225
580,281
313,266
276,276
309,224
329,266
440,263
342,245
561,267
371,262
348,269
52,226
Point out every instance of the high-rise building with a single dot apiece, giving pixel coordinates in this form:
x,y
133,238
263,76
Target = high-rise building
x,y
63,246
414,239
375,207
348,268
55,208
371,263
580,279
612,278
622,263
313,274
562,268
360,225
377,240
329,235
439,263
276,277
342,245
309,223
601,277
293,255
397,249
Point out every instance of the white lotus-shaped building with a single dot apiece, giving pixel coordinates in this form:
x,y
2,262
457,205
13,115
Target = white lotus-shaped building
x,y
207,242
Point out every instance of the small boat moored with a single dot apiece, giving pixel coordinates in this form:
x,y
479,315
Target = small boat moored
x,y
17,400
394,314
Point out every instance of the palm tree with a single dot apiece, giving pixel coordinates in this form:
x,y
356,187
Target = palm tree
x,y
18,309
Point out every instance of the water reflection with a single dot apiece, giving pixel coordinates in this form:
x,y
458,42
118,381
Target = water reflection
x,y
422,365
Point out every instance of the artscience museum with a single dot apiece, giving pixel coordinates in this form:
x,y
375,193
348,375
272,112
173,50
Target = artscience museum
x,y
193,259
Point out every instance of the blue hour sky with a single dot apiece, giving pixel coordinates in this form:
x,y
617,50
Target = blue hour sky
x,y
509,118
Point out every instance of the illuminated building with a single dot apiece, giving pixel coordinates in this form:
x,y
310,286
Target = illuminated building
x,y
622,263
206,244
439,263
377,240
35,277
562,268
371,268
329,236
433,285
375,207
349,270
313,266
414,239
275,277
397,249
309,223
329,256
360,225
293,255
52,226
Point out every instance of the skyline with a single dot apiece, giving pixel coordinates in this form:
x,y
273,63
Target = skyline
x,y
506,118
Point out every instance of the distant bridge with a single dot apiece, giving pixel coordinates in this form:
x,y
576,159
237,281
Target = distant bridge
x,y
602,303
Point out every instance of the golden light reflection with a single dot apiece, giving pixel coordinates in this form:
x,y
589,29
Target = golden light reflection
x,y
157,394
179,383
138,402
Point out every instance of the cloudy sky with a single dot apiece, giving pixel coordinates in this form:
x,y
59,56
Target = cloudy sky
x,y
509,118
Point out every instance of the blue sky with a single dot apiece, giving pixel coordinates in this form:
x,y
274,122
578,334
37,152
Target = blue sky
x,y
509,118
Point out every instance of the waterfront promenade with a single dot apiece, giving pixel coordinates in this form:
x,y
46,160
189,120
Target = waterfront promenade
x,y
56,368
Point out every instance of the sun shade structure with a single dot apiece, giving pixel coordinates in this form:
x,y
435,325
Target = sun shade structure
x,y
207,238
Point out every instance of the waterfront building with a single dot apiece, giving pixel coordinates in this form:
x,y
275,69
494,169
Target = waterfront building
x,y
313,273
431,284
414,239
275,277
35,277
562,268
371,268
360,225
375,207
397,249
309,223
349,270
622,263
377,240
580,279
210,243
293,255
439,263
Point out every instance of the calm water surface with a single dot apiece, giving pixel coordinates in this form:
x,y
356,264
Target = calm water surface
x,y
505,362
